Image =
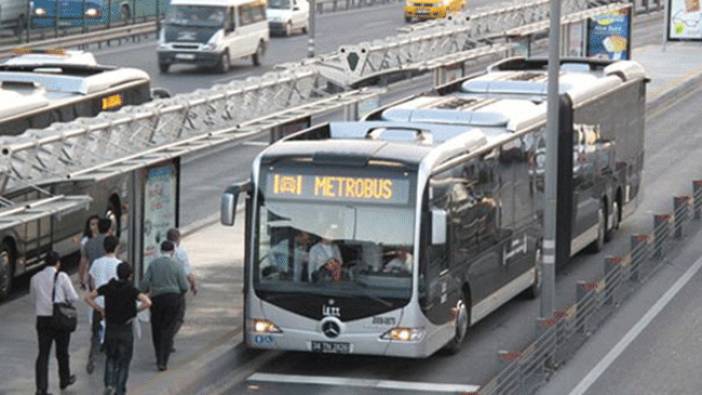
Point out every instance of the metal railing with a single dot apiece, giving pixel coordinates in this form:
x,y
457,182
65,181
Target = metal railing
x,y
559,336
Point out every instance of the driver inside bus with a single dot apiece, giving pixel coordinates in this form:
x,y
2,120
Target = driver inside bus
x,y
325,258
401,263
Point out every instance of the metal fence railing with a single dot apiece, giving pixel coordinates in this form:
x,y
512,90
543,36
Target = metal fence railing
x,y
560,336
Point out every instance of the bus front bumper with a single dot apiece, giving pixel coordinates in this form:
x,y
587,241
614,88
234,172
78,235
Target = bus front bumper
x,y
349,343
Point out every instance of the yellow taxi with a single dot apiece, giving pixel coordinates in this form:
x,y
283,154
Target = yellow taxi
x,y
431,9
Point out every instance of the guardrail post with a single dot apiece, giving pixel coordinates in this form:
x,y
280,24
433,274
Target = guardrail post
x,y
680,209
697,198
505,359
612,273
28,32
543,325
660,234
83,27
56,18
109,14
638,253
582,289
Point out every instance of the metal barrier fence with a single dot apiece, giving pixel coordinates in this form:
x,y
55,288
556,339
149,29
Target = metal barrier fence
x,y
559,336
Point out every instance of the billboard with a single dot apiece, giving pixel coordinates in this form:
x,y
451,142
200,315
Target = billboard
x,y
684,20
160,208
609,35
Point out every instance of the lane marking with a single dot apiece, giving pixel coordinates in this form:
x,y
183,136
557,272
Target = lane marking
x,y
362,383
635,331
257,143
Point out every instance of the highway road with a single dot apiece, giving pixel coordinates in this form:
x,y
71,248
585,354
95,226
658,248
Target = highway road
x,y
333,30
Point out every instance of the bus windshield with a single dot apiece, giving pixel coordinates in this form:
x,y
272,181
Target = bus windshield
x,y
196,16
336,246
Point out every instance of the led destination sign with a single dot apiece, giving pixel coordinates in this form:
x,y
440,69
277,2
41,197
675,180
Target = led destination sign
x,y
338,188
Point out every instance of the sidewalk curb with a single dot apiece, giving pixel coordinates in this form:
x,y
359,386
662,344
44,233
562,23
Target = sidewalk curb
x,y
670,96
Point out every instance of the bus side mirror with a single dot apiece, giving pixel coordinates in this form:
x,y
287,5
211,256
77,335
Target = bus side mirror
x,y
229,200
438,226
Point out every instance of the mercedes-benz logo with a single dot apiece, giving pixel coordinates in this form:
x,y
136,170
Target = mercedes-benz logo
x,y
331,329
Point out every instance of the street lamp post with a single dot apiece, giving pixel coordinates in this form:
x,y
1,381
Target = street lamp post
x,y
549,243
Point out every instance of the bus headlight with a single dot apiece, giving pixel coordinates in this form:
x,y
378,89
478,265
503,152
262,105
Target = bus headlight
x,y
403,334
265,326
92,12
39,12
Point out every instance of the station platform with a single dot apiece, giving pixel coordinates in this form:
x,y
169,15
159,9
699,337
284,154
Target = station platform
x,y
209,342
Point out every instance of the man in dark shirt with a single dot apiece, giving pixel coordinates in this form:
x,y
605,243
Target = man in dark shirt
x,y
166,282
119,312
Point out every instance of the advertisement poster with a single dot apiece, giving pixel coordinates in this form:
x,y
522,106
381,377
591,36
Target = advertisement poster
x,y
160,205
609,35
684,20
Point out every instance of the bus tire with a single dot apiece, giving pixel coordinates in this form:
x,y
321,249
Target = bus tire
x,y
6,270
598,243
408,19
260,52
163,67
609,235
534,290
462,324
224,63
304,29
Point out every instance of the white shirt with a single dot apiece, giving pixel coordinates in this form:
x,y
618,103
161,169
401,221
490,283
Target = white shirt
x,y
320,253
181,256
399,264
41,286
102,271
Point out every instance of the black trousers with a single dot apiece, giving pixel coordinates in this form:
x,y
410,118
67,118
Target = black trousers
x,y
94,337
46,335
181,315
164,317
119,346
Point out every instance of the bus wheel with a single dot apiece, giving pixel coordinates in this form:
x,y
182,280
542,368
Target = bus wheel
x,y
163,67
534,291
408,19
615,221
260,52
6,271
598,243
462,322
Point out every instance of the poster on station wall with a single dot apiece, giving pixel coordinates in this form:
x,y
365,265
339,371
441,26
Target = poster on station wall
x,y
684,20
609,35
160,208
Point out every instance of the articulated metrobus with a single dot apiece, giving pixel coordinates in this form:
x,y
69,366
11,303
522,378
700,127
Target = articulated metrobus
x,y
393,235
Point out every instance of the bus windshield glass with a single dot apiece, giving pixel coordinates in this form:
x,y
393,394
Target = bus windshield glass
x,y
336,235
196,16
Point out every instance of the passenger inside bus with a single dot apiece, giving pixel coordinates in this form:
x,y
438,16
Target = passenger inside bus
x,y
325,258
401,263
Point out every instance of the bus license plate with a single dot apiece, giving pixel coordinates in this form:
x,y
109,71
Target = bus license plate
x,y
185,56
331,347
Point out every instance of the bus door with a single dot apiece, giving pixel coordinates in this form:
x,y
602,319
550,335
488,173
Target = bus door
x,y
585,198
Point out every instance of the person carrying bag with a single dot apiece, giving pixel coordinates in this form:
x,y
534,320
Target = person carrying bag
x,y
53,295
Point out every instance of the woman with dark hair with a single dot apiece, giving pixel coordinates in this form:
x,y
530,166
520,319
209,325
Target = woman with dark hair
x,y
90,231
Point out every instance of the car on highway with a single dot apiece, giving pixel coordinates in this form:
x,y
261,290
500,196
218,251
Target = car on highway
x,y
213,33
288,16
431,9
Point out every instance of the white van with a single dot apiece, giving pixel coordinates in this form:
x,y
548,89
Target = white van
x,y
213,33
13,15
286,16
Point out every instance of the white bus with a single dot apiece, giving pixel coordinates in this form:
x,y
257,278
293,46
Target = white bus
x,y
41,87
394,235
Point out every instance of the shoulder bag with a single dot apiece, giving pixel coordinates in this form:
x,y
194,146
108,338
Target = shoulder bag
x,y
65,315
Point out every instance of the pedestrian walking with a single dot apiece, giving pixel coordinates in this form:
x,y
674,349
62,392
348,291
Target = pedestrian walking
x,y
181,257
47,287
166,282
90,231
102,270
119,312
